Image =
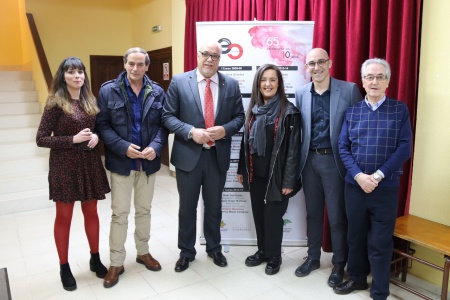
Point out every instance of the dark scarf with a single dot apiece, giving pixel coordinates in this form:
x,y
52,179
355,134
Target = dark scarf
x,y
263,116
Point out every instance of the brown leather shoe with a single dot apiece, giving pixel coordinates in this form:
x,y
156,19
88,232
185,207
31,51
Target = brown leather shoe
x,y
149,262
112,277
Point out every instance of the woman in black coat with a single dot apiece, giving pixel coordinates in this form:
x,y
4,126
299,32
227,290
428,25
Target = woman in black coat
x,y
268,162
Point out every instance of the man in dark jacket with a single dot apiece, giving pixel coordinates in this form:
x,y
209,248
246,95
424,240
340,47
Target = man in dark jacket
x,y
130,125
204,110
322,104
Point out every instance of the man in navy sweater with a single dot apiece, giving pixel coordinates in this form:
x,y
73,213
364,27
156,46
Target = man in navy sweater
x,y
374,143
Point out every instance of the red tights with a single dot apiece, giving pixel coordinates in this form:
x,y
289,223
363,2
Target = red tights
x,y
64,212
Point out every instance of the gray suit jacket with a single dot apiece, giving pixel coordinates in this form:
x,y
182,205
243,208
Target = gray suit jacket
x,y
342,95
183,109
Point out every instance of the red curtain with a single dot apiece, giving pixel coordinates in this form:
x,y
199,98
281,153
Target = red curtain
x,y
350,30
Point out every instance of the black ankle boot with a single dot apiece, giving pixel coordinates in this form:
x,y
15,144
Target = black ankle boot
x,y
67,279
273,265
255,259
97,266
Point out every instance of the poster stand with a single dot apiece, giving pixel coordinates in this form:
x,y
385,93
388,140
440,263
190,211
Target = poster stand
x,y
246,46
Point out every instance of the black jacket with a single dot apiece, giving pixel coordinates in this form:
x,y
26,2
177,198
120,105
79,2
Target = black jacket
x,y
283,170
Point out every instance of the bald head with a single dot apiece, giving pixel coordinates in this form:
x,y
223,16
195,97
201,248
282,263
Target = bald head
x,y
210,45
316,52
317,65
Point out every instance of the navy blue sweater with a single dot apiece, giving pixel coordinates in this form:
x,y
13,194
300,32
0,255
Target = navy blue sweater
x,y
376,140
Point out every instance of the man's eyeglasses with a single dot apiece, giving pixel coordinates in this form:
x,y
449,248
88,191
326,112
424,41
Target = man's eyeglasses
x,y
320,63
373,77
207,55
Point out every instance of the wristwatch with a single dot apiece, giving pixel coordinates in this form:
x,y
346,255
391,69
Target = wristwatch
x,y
190,133
377,176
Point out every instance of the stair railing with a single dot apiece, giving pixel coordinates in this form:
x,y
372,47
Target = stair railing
x,y
40,51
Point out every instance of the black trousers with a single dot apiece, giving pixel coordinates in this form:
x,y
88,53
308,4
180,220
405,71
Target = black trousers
x,y
323,184
205,176
268,218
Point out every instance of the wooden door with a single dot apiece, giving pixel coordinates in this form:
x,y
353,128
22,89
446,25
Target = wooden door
x,y
103,69
160,69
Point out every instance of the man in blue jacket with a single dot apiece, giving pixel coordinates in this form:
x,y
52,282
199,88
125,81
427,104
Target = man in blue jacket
x,y
130,125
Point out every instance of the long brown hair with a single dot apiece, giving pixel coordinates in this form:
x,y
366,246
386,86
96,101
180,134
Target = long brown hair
x,y
256,97
59,94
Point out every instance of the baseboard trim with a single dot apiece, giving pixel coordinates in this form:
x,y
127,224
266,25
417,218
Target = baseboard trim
x,y
5,291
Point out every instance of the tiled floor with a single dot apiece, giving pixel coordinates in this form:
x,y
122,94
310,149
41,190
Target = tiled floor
x,y
27,250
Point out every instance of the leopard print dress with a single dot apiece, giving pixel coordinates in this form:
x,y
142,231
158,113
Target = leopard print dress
x,y
75,173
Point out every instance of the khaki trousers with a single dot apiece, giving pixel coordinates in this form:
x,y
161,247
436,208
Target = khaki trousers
x,y
121,189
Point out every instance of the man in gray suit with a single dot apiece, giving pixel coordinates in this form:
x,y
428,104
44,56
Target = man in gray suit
x,y
323,103
201,154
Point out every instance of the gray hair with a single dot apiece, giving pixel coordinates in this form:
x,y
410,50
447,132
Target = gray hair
x,y
136,50
379,61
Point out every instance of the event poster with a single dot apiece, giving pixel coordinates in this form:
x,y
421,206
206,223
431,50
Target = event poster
x,y
246,46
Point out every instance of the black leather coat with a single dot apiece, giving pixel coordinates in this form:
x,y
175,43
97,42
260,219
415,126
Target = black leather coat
x,y
283,170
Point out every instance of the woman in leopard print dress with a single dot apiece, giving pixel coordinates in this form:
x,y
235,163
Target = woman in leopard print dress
x,y
76,172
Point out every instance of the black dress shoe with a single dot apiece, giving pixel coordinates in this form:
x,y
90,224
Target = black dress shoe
x,y
218,258
255,259
337,275
273,265
306,268
183,263
350,286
